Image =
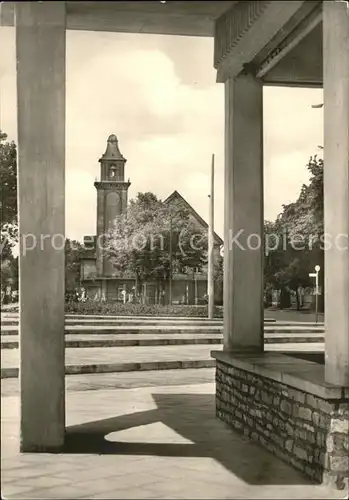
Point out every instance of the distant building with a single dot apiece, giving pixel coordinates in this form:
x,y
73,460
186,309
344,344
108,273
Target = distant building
x,y
98,276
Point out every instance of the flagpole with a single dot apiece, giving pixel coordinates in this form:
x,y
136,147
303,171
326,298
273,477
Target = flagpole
x,y
210,274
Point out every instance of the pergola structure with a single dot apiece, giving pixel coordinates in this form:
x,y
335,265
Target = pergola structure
x,y
297,409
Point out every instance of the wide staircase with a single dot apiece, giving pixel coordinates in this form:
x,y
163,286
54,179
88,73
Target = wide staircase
x,y
106,344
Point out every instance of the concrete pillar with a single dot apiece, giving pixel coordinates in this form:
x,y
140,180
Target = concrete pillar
x,y
40,42
336,189
243,215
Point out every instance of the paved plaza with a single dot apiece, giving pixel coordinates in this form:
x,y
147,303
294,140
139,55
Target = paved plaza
x,y
115,344
146,434
155,441
112,359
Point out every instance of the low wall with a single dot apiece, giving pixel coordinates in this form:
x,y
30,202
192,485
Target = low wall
x,y
303,429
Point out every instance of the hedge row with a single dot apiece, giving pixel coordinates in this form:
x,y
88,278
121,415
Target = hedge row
x,y
119,309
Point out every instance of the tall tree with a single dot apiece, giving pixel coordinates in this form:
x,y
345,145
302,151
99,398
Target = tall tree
x,y
8,195
298,232
8,181
148,234
8,212
9,273
306,216
73,254
218,279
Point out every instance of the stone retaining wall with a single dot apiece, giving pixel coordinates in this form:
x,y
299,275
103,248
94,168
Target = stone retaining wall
x,y
304,430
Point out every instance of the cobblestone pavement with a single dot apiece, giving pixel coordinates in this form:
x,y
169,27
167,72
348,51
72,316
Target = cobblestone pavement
x,y
154,442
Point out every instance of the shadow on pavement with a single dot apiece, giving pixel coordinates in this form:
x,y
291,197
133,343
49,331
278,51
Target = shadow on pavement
x,y
191,416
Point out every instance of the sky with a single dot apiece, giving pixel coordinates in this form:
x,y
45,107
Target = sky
x,y
159,95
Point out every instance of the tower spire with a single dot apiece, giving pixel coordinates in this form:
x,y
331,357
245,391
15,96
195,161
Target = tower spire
x,y
112,152
112,193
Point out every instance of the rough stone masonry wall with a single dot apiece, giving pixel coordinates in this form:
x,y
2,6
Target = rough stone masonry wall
x,y
306,431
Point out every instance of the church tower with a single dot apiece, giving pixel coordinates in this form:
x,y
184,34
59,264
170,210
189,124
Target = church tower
x,y
112,191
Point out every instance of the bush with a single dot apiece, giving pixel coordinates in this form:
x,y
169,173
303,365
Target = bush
x,y
119,309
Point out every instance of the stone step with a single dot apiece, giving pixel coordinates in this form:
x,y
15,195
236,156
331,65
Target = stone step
x,y
88,319
166,324
168,330
11,342
123,367
294,329
142,318
299,323
117,329
134,320
114,359
118,316
126,323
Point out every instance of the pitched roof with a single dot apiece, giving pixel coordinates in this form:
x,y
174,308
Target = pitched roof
x,y
177,196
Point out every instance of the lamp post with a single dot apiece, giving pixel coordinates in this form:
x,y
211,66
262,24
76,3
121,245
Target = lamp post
x,y
316,276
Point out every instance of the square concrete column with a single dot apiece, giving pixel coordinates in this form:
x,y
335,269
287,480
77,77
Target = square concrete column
x,y
243,215
336,190
40,42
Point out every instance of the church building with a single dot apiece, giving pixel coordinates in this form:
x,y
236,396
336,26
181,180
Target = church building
x,y
98,275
